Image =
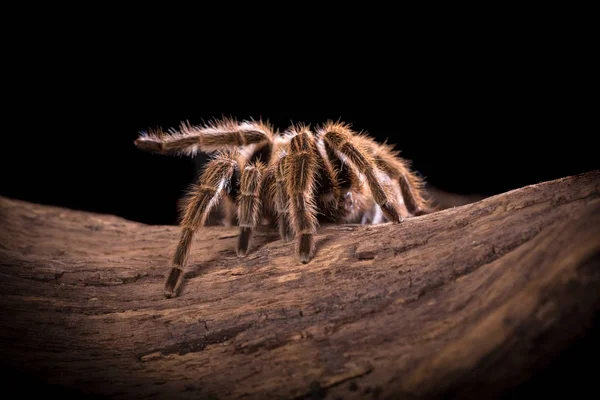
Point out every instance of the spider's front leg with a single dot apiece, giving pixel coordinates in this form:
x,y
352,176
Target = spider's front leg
x,y
249,204
213,183
300,167
219,135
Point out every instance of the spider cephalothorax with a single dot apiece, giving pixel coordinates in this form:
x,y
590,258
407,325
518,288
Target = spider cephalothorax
x,y
296,178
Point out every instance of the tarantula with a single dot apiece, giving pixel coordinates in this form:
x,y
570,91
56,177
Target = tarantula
x,y
296,178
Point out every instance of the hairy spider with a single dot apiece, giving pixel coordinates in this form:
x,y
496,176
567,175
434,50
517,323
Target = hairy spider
x,y
296,178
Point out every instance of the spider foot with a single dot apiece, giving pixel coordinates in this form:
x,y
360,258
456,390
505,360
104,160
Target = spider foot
x,y
391,213
419,212
243,241
173,282
306,247
148,145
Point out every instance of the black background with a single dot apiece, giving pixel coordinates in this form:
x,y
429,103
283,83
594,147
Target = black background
x,y
478,110
479,106
472,128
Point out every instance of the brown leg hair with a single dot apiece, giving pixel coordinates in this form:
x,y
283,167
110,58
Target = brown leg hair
x,y
280,199
198,203
387,160
300,168
328,191
341,139
219,135
249,204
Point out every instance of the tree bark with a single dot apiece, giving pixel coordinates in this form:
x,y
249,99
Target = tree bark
x,y
470,301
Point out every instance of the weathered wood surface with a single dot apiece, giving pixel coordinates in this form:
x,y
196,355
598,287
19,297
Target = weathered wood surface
x,y
467,301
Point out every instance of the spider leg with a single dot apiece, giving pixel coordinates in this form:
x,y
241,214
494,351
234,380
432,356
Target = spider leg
x,y
249,203
190,139
300,169
411,185
280,200
340,140
411,192
213,183
330,183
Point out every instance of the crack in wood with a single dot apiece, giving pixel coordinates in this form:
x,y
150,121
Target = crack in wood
x,y
200,343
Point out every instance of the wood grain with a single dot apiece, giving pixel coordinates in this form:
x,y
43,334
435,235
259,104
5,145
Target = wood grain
x,y
466,302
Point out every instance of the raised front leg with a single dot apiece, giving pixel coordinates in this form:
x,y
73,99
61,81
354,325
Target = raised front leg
x,y
190,139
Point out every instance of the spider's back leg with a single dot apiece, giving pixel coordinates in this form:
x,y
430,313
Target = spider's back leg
x,y
341,140
331,181
397,168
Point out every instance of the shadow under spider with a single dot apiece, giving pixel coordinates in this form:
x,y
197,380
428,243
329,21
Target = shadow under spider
x,y
264,235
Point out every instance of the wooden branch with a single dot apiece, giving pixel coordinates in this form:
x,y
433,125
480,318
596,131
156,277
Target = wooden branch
x,y
469,301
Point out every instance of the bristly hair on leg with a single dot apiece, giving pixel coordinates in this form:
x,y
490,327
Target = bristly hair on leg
x,y
249,203
171,142
412,186
277,195
301,165
200,200
349,148
216,135
294,177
